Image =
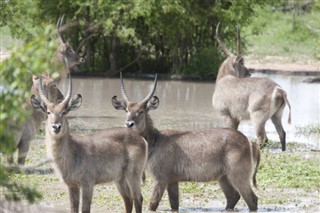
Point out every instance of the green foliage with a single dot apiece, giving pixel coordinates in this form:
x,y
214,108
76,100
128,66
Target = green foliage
x,y
16,191
33,57
205,64
18,16
157,36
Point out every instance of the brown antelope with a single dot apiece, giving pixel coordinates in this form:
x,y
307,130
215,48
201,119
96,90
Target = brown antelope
x,y
115,154
33,122
219,154
65,49
54,95
238,98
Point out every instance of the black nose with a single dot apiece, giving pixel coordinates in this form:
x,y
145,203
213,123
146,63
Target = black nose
x,y
56,128
130,124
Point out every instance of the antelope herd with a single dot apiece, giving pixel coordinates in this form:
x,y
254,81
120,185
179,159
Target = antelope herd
x,y
122,154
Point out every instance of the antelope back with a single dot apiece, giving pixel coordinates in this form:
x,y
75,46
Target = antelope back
x,y
234,64
137,112
65,49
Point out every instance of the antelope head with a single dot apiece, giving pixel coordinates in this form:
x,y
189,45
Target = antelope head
x,y
237,61
57,124
65,49
137,113
49,86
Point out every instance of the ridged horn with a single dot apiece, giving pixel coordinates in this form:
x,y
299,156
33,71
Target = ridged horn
x,y
68,96
221,44
123,90
42,95
149,96
59,23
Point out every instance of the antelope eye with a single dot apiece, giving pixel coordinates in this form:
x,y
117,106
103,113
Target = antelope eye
x,y
48,112
70,51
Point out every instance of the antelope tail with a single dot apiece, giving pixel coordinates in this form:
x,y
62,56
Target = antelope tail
x,y
284,95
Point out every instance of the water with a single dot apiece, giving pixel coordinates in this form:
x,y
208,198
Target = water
x,y
187,106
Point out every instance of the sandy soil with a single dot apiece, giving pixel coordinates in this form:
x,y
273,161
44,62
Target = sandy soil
x,y
281,64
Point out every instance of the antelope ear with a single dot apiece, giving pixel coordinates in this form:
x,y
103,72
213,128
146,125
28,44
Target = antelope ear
x,y
153,103
37,104
35,79
118,104
74,103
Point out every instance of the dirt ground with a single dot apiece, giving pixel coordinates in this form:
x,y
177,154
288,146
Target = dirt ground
x,y
281,64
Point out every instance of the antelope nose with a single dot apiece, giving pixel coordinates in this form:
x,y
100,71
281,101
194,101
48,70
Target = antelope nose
x,y
130,124
56,128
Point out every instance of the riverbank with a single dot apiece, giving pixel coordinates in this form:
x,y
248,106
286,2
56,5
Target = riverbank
x,y
282,65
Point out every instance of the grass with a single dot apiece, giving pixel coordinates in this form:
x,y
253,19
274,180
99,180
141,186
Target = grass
x,y
275,34
309,129
289,170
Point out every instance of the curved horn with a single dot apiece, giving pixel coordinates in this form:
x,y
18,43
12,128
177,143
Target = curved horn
x,y
123,90
238,41
41,94
59,23
221,44
149,96
68,96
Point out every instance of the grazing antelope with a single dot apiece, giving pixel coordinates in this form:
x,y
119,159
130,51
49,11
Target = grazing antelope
x,y
115,154
219,154
54,95
238,98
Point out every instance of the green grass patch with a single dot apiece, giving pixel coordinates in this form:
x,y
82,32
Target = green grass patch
x,y
276,34
309,129
289,170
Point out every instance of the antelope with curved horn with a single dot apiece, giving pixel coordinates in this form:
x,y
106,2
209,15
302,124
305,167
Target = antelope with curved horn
x,y
219,154
238,98
33,122
115,154
65,49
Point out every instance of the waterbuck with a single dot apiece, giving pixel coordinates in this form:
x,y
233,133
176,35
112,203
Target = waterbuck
x,y
115,154
219,154
34,121
65,49
239,98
